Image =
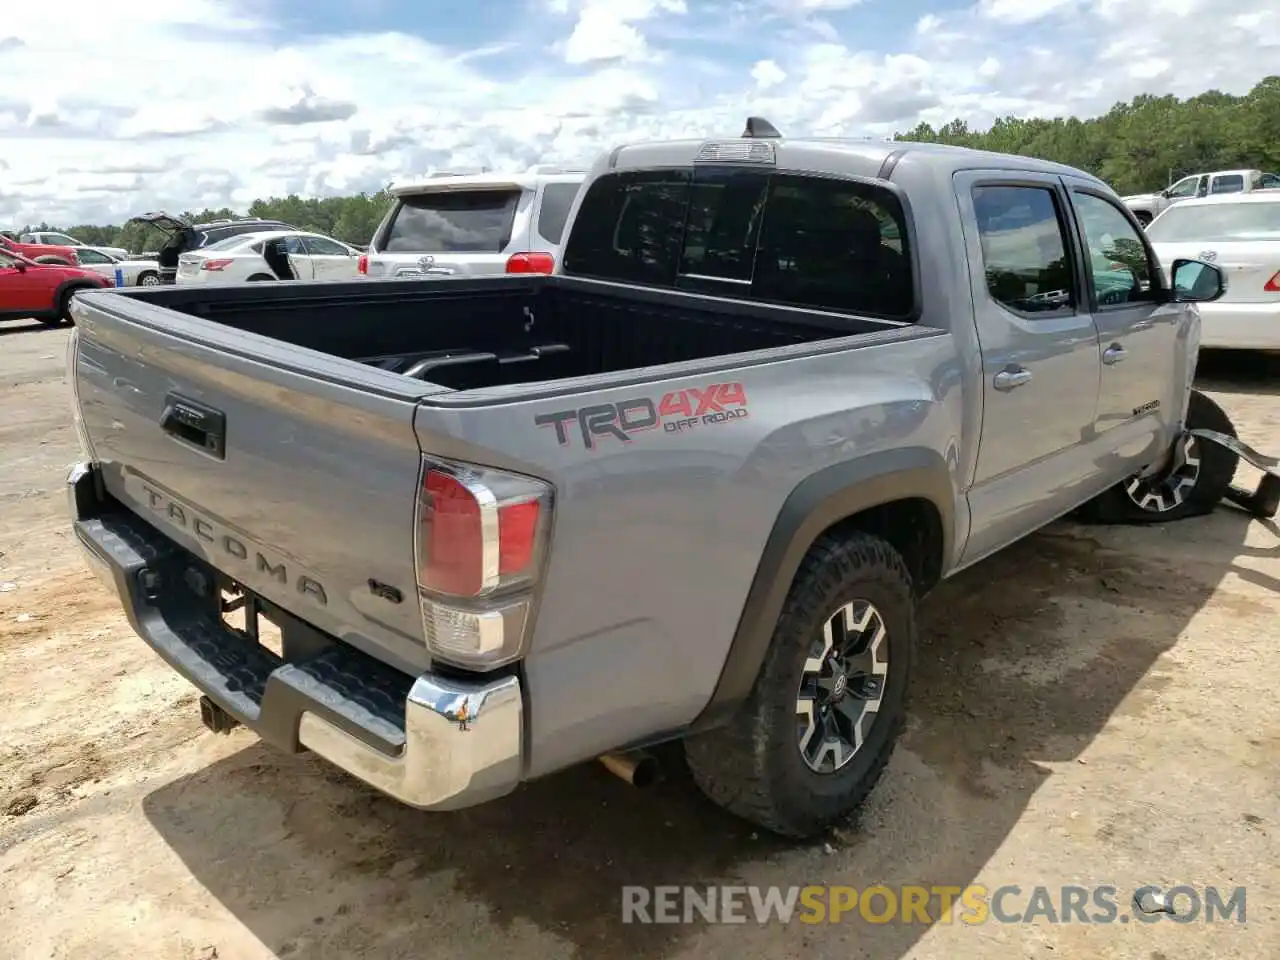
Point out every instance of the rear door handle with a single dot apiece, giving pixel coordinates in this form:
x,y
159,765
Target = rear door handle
x,y
1011,379
1114,354
195,424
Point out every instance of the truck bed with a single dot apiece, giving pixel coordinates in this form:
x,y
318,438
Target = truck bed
x,y
501,331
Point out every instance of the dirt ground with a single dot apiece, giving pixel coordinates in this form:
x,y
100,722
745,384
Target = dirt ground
x,y
1094,707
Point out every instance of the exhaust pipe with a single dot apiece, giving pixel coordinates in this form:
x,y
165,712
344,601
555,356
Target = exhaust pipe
x,y
636,767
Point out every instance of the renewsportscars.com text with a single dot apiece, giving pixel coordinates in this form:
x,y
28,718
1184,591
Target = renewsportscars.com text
x,y
974,904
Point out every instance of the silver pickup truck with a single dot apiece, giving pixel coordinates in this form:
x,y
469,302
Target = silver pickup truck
x,y
691,486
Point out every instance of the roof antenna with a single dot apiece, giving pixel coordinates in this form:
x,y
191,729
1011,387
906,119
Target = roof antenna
x,y
760,127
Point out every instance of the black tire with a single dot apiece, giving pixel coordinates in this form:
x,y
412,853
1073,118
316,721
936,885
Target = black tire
x,y
1143,218
259,277
753,766
53,261
148,278
63,318
1216,470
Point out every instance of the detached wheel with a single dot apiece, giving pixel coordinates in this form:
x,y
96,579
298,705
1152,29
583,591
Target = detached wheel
x,y
1196,477
826,710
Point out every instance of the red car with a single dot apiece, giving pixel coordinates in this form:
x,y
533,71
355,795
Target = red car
x,y
41,291
39,252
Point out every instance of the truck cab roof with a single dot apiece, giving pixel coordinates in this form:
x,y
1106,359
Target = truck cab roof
x,y
860,157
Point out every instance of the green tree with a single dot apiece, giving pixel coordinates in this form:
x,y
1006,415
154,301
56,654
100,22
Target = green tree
x,y
1143,144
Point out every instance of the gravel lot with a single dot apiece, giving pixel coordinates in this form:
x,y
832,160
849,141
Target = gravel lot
x,y
1094,706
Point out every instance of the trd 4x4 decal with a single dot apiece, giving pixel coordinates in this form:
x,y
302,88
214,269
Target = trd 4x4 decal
x,y
676,412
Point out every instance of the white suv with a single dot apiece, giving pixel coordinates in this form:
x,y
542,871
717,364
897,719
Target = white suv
x,y
467,225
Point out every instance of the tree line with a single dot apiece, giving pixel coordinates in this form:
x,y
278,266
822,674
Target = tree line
x,y
1144,144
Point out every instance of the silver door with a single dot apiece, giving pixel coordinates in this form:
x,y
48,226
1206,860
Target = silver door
x,y
1143,338
1039,355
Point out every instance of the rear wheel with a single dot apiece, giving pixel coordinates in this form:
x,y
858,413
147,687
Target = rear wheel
x,y
63,316
148,278
1196,476
1142,217
53,261
822,720
259,277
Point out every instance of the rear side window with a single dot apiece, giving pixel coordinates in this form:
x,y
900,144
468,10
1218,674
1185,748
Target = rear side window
x,y
825,243
471,221
557,198
226,243
834,244
1231,183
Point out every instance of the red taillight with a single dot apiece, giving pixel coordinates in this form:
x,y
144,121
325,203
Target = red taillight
x,y
1273,285
214,264
479,544
517,530
362,265
531,263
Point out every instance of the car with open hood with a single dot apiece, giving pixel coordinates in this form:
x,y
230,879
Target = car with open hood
x,y
182,236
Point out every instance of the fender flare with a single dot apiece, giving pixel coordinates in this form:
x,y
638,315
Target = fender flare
x,y
819,501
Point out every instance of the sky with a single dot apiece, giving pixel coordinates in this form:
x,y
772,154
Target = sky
x,y
109,110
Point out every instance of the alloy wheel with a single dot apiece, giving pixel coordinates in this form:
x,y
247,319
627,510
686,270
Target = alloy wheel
x,y
1170,488
841,687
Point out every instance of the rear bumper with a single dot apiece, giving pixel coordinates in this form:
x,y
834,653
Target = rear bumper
x,y
398,733
1240,326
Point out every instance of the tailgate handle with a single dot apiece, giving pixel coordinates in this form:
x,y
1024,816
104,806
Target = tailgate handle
x,y
195,424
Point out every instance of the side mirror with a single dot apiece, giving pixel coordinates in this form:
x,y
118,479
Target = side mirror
x,y
1195,281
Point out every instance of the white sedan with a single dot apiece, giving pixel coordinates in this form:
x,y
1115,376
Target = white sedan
x,y
241,259
135,273
1240,234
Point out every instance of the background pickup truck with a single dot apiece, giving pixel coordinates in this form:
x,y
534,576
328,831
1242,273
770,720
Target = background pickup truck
x,y
41,252
1147,206
692,486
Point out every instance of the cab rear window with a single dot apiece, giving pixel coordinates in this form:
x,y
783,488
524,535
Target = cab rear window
x,y
462,221
821,242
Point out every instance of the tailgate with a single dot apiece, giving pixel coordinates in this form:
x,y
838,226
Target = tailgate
x,y
290,471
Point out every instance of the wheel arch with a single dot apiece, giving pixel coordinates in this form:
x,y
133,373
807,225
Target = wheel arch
x,y
904,496
68,287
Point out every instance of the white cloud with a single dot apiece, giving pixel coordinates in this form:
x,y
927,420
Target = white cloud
x,y
606,29
128,115
767,74
1023,11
